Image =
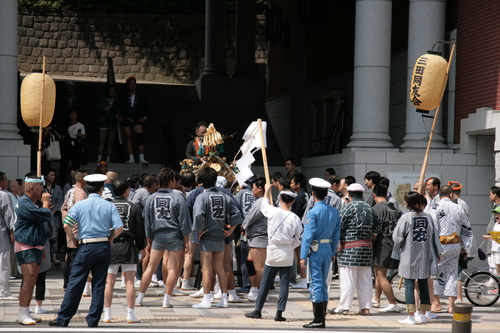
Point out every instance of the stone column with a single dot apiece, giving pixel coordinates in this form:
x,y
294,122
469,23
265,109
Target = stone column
x,y
215,25
8,68
13,154
245,38
426,27
372,65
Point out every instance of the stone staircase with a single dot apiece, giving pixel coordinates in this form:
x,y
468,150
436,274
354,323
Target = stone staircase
x,y
176,111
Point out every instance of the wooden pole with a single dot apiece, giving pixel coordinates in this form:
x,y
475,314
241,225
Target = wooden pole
x,y
40,129
264,158
431,134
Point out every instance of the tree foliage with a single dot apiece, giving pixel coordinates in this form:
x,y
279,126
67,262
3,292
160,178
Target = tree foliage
x,y
129,6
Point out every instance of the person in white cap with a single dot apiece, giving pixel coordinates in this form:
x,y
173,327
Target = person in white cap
x,y
95,218
284,235
360,224
319,243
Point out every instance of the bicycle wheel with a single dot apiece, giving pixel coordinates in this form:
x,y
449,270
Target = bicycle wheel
x,y
399,291
481,288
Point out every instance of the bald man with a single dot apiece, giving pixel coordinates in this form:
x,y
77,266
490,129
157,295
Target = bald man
x,y
108,193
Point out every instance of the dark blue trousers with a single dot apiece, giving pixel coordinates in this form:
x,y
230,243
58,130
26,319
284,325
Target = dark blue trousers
x,y
268,280
94,257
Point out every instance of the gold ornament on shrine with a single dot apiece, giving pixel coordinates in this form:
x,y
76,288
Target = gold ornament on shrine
x,y
31,96
428,81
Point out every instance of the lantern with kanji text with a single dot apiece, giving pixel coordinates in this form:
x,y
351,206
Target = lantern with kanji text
x,y
428,81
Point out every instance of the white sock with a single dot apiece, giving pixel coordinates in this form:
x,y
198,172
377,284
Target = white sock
x,y
99,157
232,292
141,156
130,312
131,157
88,286
254,289
108,158
167,298
38,307
211,294
24,310
107,312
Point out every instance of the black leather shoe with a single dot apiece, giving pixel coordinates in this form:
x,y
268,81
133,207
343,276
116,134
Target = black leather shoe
x,y
314,325
254,314
55,323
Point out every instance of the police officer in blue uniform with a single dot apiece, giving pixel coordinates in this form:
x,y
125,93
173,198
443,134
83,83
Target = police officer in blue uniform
x,y
319,242
95,218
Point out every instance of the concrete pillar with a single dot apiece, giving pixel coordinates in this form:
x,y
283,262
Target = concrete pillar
x,y
245,38
372,65
426,27
14,155
215,25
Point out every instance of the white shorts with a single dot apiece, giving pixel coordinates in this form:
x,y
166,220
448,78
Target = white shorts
x,y
495,256
113,269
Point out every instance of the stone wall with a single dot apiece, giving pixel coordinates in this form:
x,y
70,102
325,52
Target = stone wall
x,y
154,48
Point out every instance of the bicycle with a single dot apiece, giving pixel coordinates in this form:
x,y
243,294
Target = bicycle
x,y
481,287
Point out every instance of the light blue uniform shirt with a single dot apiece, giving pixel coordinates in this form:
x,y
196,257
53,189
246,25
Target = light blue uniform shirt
x,y
94,216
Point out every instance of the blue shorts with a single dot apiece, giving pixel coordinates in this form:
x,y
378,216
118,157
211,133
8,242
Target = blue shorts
x,y
31,255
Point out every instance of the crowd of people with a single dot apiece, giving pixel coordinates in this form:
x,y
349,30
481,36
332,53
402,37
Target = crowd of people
x,y
150,227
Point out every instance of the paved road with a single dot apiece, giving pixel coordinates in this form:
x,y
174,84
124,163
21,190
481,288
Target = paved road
x,y
183,318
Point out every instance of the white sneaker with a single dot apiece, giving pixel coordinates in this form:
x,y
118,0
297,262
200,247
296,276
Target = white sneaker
x,y
218,295
132,319
375,304
301,285
420,318
251,295
34,318
154,278
430,315
177,292
390,308
143,161
24,319
166,303
204,304
408,320
179,282
10,297
186,285
131,161
197,294
234,299
106,318
139,299
153,284
138,283
161,283
40,310
223,302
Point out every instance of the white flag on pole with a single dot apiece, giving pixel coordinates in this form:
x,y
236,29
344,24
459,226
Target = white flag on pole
x,y
252,144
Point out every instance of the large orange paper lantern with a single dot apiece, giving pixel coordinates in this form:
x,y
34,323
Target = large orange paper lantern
x,y
31,97
428,81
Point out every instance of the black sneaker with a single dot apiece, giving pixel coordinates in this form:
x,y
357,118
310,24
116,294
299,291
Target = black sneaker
x,y
254,314
55,323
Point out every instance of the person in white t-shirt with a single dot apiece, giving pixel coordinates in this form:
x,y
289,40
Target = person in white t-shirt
x,y
495,246
71,148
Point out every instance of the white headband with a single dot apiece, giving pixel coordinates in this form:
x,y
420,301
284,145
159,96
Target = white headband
x,y
289,193
35,180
